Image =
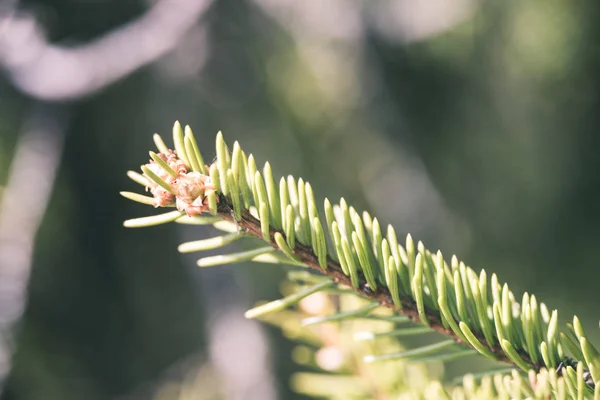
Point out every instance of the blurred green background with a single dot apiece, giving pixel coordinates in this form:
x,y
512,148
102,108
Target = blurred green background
x,y
469,124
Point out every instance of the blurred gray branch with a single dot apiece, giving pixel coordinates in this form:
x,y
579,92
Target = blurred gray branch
x,y
53,72
22,208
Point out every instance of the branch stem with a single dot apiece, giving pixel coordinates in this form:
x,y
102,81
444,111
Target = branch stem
x,y
251,225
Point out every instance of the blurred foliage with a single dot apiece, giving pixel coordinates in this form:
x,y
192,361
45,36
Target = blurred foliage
x,y
480,139
332,359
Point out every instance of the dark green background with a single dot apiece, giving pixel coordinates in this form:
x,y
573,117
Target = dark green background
x,y
481,140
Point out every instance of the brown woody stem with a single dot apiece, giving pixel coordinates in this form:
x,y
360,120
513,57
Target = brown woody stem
x,y
250,225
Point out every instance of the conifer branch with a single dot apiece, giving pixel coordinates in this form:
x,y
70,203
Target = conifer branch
x,y
251,225
477,314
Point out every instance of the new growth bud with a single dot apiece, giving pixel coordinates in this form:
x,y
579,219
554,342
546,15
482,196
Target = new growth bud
x,y
189,189
190,192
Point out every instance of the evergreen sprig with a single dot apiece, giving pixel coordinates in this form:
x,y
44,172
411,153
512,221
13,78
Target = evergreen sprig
x,y
351,252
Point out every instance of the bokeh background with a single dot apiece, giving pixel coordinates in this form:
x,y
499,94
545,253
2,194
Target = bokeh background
x,y
470,124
